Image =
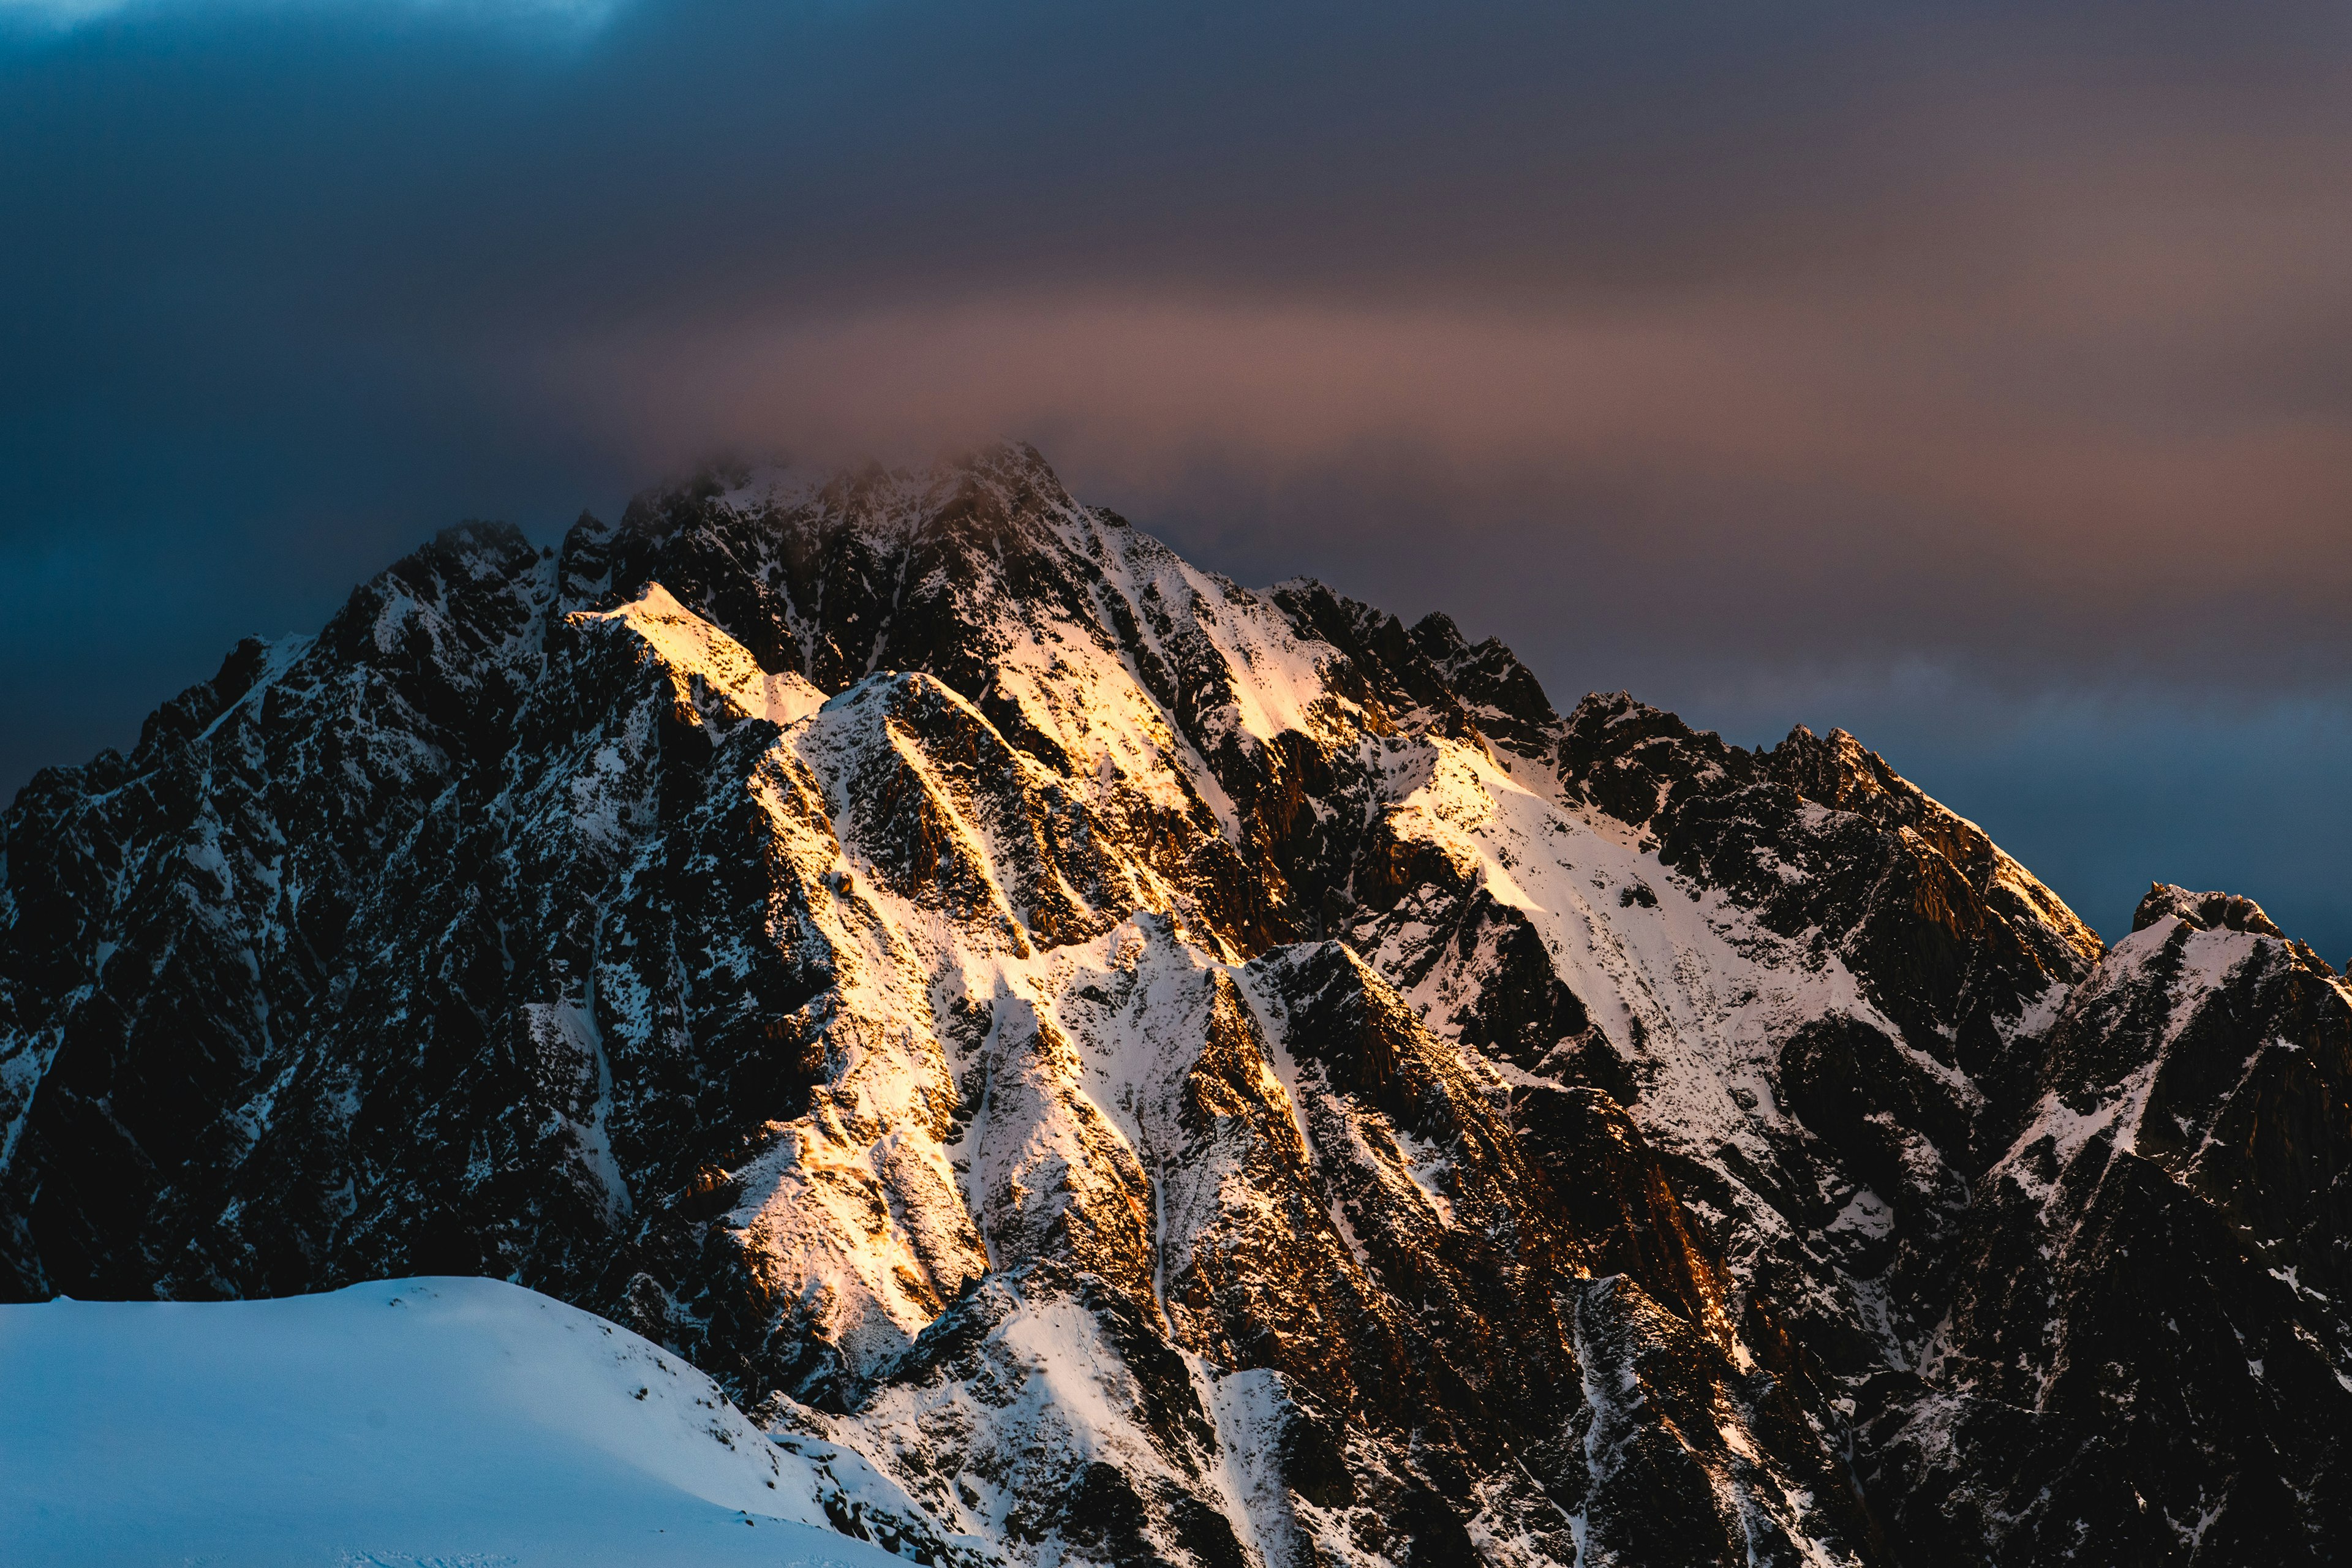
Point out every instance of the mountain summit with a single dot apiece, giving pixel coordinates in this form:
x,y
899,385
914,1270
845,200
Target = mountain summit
x,y
1109,1067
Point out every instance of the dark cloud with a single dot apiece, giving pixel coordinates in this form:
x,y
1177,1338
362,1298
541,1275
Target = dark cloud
x,y
1977,378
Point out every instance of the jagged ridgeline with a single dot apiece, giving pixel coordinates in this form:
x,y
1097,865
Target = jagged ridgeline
x,y
1120,1069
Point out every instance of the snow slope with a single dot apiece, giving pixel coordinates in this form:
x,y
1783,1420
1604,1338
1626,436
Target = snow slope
x,y
401,1424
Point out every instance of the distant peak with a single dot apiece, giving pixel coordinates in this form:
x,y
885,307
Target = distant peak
x,y
2202,911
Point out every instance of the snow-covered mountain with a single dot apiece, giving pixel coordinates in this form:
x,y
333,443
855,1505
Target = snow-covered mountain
x,y
1139,1070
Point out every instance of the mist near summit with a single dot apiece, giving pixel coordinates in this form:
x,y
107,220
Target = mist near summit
x,y
1974,379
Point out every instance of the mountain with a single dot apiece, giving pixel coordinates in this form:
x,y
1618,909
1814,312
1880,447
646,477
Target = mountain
x,y
1141,1071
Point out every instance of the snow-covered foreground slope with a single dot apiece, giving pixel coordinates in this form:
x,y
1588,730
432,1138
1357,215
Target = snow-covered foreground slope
x,y
399,1424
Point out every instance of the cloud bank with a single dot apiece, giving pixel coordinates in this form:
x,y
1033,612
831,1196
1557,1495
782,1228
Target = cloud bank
x,y
1977,378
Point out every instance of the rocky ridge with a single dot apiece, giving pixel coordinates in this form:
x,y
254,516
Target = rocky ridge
x,y
1114,1068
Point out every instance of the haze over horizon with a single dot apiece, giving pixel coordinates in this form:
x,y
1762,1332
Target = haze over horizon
x,y
1976,380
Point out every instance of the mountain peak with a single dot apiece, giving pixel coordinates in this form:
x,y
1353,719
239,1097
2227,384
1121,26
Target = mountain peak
x,y
2202,911
1114,1066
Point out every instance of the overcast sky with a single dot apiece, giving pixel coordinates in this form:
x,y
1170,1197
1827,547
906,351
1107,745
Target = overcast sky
x,y
1975,378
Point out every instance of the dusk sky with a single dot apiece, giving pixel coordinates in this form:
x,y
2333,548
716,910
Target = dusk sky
x,y
1976,378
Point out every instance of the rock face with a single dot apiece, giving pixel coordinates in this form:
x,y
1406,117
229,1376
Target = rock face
x,y
1117,1069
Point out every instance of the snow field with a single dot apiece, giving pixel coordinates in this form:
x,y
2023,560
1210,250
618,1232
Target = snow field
x,y
402,1424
